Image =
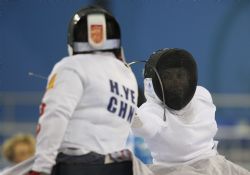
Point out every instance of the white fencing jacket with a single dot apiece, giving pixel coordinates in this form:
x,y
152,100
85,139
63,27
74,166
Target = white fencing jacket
x,y
186,135
88,105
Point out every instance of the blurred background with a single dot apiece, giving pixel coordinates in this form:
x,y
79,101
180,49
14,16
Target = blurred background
x,y
33,37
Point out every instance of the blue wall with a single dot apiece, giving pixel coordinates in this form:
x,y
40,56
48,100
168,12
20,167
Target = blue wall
x,y
217,32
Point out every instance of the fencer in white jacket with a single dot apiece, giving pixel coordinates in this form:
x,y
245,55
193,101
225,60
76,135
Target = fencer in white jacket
x,y
88,106
179,128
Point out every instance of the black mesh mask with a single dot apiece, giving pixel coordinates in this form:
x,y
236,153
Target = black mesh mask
x,y
178,73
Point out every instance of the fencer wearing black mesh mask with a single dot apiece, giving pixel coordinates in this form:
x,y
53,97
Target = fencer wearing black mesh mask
x,y
178,119
178,73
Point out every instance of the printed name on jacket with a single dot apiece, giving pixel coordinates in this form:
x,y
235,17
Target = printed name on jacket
x,y
121,106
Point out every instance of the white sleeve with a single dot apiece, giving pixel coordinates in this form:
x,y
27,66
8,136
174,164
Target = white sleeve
x,y
147,123
64,91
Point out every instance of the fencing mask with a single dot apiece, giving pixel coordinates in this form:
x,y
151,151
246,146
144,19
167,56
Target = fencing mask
x,y
178,73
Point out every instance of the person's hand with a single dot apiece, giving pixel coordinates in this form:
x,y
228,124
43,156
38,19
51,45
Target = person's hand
x,y
136,123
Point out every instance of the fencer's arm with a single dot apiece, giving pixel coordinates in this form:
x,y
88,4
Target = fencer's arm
x,y
145,125
59,102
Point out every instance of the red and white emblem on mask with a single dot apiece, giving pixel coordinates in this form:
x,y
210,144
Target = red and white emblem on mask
x,y
96,33
96,30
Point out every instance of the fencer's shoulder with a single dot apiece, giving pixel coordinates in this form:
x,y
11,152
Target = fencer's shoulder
x,y
200,90
69,62
202,93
